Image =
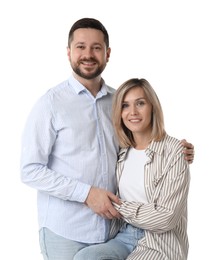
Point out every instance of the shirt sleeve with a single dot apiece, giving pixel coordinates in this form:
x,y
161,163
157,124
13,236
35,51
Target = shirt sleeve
x,y
163,212
38,139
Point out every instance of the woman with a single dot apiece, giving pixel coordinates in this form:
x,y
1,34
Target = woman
x,y
153,180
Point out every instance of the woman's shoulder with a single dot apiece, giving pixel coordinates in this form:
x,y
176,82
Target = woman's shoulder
x,y
172,143
170,140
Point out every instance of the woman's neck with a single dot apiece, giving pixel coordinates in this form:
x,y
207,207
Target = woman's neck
x,y
142,141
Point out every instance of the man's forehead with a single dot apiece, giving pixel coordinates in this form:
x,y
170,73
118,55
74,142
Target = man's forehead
x,y
88,36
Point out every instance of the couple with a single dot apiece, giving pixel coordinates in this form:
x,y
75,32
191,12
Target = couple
x,y
69,155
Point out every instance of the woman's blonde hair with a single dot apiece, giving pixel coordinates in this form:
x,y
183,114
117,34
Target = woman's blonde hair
x,y
124,135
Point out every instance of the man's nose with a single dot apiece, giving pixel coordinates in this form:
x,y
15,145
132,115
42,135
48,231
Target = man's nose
x,y
88,52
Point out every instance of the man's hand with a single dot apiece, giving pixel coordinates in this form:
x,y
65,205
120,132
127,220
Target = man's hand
x,y
188,151
100,201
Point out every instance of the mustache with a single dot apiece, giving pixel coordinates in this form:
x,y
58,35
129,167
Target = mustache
x,y
89,60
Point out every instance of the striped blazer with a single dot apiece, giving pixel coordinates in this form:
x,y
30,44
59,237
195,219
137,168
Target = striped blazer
x,y
164,217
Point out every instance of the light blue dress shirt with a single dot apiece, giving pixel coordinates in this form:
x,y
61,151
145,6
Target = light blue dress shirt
x,y
68,145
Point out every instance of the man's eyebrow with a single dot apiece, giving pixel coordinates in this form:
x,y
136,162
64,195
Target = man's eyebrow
x,y
94,43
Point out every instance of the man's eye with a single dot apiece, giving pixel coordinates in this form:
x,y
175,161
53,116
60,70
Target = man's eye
x,y
97,48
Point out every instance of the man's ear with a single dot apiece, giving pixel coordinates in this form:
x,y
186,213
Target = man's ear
x,y
68,52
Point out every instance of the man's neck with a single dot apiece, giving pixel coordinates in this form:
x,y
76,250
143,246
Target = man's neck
x,y
93,85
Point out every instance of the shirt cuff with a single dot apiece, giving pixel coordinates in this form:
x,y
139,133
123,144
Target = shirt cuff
x,y
81,192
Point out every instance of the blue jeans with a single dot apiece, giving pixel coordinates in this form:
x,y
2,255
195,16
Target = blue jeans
x,y
117,248
55,247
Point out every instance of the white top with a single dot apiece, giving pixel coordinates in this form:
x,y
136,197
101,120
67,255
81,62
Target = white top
x,y
131,185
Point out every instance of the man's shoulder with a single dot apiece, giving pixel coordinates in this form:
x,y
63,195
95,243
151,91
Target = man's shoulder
x,y
109,89
112,90
58,88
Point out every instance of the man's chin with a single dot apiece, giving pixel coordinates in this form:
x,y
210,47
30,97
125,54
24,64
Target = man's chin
x,y
88,75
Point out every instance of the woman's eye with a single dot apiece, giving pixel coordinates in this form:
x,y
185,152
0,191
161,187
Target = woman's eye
x,y
140,103
124,106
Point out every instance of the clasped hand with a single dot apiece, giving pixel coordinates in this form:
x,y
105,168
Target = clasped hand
x,y
100,201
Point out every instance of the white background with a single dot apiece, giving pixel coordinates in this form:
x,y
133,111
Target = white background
x,y
166,42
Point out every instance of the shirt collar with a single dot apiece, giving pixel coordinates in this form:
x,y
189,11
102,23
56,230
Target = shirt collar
x,y
154,147
78,87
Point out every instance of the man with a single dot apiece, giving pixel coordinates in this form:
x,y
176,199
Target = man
x,y
69,150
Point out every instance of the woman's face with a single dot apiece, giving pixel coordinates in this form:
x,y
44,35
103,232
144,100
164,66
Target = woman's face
x,y
137,112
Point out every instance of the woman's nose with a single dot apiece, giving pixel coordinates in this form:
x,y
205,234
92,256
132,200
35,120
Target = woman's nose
x,y
133,110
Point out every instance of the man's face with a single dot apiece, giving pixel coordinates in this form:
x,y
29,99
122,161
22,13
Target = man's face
x,y
87,53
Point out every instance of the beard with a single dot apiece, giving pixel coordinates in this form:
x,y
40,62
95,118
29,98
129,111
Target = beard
x,y
87,74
